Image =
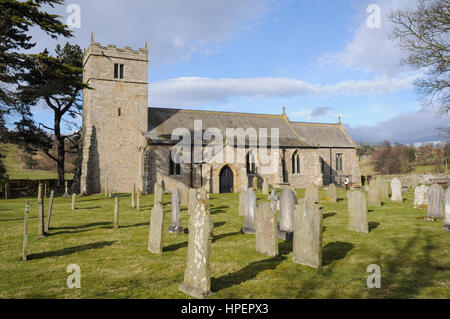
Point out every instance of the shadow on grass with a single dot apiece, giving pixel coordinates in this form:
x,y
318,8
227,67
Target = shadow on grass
x,y
17,219
82,226
219,224
88,208
175,246
373,225
71,250
327,215
222,236
245,274
135,225
335,251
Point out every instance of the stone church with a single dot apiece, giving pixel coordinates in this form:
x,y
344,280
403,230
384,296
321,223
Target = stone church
x,y
125,142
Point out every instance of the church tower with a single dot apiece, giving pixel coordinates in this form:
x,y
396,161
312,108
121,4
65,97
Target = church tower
x,y
115,118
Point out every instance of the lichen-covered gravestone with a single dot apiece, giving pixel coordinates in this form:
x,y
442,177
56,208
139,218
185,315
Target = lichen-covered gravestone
x,y
155,240
382,185
434,195
265,186
197,279
396,188
288,200
357,211
266,230
308,230
374,195
274,200
312,193
255,183
447,210
158,194
116,213
192,199
133,196
331,193
250,206
41,223
242,203
420,197
175,226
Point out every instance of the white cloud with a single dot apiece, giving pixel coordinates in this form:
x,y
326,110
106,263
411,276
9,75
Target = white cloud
x,y
370,49
194,91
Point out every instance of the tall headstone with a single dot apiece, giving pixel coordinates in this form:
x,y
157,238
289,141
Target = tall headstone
x,y
288,200
265,186
192,199
158,194
250,207
312,193
138,201
184,196
396,188
197,279
242,203
382,185
374,195
50,208
357,211
447,210
25,231
255,183
66,189
434,195
308,230
266,230
116,212
41,222
74,196
175,226
274,200
133,196
420,197
331,193
106,188
155,240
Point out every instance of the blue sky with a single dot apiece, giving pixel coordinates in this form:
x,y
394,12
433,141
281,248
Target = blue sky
x,y
319,59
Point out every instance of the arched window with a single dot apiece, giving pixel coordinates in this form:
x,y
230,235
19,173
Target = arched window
x,y
174,168
250,164
295,163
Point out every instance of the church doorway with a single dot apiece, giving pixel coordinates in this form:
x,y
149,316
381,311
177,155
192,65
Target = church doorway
x,y
226,180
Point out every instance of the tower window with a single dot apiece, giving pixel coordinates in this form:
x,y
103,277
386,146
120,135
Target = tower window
x,y
295,163
118,71
250,164
339,166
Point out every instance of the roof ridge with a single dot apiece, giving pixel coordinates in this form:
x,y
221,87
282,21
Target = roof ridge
x,y
316,123
217,112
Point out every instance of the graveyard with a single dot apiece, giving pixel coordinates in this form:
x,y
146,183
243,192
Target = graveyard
x,y
115,262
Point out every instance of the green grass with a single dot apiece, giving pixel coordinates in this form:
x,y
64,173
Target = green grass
x,y
14,165
413,254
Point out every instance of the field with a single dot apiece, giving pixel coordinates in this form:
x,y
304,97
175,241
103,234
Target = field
x,y
414,255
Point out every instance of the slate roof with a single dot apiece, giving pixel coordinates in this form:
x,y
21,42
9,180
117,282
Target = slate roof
x,y
162,122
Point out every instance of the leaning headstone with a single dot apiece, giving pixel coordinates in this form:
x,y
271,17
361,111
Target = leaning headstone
x,y
396,187
434,195
266,230
41,223
420,197
374,196
155,240
357,211
74,196
138,201
197,279
50,207
133,196
242,203
265,186
382,185
192,199
175,226
331,193
274,200
158,194
116,212
184,196
250,206
308,230
255,183
288,200
312,193
25,231
66,190
447,210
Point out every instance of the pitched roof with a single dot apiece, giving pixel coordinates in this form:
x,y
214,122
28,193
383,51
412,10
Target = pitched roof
x,y
323,135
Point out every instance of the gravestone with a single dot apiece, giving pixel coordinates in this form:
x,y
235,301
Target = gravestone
x,y
116,212
396,188
447,210
420,197
163,186
184,196
357,211
382,185
308,230
265,186
331,193
41,222
133,196
175,226
192,199
374,196
242,203
288,200
250,206
434,195
106,188
255,183
312,193
50,208
25,231
274,200
74,196
197,279
158,194
66,190
266,230
138,201
155,240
